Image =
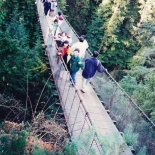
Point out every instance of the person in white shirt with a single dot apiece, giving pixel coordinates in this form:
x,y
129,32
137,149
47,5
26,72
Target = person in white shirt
x,y
54,5
85,41
82,47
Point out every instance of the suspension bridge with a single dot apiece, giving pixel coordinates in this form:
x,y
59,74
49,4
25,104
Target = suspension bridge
x,y
104,106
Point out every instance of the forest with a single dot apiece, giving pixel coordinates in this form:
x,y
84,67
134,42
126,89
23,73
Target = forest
x,y
123,32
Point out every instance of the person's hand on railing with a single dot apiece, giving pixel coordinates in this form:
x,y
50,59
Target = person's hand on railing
x,y
106,72
59,53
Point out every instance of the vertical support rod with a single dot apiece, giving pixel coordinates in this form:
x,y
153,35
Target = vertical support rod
x,y
75,120
72,104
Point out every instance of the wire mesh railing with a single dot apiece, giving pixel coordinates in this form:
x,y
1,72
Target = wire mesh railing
x,y
126,113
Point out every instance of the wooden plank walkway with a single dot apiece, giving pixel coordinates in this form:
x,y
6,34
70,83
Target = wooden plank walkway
x,y
82,111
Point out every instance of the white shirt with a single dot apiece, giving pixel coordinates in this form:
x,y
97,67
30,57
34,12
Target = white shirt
x,y
61,38
86,43
53,5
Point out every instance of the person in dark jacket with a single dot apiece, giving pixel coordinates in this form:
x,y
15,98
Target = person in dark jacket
x,y
47,7
91,66
75,64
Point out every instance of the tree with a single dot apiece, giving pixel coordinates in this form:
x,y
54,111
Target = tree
x,y
23,71
62,5
13,144
140,85
95,30
80,16
118,43
144,30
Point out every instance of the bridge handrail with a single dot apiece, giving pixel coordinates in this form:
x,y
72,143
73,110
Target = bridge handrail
x,y
116,83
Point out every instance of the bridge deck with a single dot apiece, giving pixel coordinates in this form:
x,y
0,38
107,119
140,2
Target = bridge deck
x,y
74,103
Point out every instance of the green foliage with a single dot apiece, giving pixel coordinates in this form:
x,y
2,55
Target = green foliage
x,y
144,30
111,32
144,57
142,151
8,105
13,144
80,16
23,71
2,15
110,143
39,151
129,136
62,5
71,148
142,70
81,144
140,85
95,30
129,84
146,96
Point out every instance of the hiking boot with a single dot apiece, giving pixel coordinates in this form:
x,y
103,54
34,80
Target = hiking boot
x,y
82,91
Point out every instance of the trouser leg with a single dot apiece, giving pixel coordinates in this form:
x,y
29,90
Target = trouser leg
x,y
73,74
65,61
88,80
84,83
45,11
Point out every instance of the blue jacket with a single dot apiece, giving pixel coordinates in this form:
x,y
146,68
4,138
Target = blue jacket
x,y
47,5
91,66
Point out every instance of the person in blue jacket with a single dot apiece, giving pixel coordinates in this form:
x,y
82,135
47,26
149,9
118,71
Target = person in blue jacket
x,y
92,65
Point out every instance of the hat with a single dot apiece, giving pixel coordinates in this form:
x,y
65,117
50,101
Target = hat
x,y
81,39
83,36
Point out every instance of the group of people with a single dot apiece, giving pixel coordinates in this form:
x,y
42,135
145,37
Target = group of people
x,y
73,55
73,58
49,6
50,9
61,37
